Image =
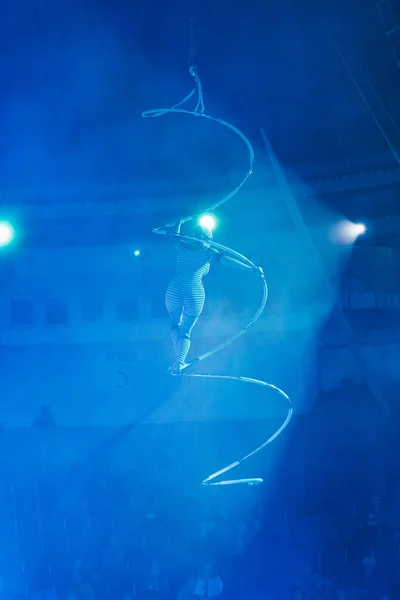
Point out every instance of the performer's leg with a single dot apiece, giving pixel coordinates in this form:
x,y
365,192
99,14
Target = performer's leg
x,y
174,305
193,302
176,321
183,346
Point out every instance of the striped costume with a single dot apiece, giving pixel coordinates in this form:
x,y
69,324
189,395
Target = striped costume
x,y
185,296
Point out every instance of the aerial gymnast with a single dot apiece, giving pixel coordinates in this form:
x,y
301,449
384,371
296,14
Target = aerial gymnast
x,y
185,295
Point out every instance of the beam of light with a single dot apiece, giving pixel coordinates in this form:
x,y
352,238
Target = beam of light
x,y
346,232
7,233
359,228
208,221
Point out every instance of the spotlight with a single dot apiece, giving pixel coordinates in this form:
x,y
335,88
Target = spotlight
x,y
7,233
207,221
359,228
136,253
346,232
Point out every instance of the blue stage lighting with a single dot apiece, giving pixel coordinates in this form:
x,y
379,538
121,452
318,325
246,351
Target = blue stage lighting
x,y
7,233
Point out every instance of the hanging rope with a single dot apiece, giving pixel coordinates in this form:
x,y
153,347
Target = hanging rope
x,y
192,43
199,111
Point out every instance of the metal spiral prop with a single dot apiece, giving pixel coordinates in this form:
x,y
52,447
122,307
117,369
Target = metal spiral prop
x,y
199,111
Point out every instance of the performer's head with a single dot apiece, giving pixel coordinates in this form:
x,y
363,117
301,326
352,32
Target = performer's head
x,y
203,233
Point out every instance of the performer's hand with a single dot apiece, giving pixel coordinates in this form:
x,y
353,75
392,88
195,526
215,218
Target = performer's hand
x,y
178,225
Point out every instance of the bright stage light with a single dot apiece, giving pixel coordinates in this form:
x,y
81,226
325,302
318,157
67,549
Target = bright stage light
x,y
208,221
346,232
359,228
137,253
7,233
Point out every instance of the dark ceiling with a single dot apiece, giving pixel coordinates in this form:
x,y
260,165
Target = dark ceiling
x,y
75,76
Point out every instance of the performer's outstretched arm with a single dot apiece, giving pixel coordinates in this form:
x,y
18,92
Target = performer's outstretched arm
x,y
178,225
177,229
232,262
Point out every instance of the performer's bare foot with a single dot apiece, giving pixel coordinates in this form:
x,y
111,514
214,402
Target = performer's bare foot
x,y
176,368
